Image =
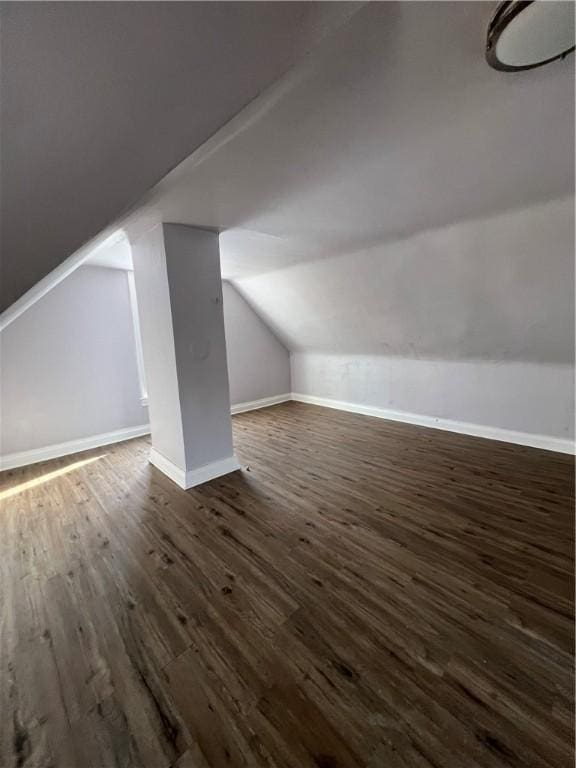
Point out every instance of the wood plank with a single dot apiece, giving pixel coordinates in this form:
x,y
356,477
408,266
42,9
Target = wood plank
x,y
364,593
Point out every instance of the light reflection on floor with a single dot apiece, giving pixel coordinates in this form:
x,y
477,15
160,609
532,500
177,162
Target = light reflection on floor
x,y
9,492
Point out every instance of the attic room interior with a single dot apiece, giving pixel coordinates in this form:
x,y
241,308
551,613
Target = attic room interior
x,y
287,384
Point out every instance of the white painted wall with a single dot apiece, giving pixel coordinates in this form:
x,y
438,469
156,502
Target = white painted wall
x,y
258,363
68,364
533,398
473,322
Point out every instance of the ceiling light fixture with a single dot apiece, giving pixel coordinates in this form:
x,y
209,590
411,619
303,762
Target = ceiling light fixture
x,y
524,35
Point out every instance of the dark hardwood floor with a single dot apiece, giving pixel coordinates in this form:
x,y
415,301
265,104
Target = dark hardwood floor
x,y
363,593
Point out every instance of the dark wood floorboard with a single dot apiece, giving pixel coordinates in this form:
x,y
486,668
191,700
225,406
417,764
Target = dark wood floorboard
x,y
363,593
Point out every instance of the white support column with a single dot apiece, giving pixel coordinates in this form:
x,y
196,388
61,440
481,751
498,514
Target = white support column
x,y
179,290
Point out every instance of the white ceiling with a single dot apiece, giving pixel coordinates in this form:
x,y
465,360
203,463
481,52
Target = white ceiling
x,y
393,195
101,100
396,125
499,289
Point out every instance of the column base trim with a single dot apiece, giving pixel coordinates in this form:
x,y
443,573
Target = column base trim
x,y
190,478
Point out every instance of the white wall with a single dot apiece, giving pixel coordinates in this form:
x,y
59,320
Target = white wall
x,y
68,364
473,322
258,364
532,398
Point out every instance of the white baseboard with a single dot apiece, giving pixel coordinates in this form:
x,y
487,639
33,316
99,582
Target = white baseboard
x,y
56,451
264,402
191,478
23,458
544,442
210,471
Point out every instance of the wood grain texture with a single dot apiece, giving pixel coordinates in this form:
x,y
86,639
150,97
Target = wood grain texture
x,y
363,593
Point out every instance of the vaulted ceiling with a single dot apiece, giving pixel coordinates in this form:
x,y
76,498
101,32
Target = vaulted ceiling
x,y
396,125
399,197
391,194
497,289
100,100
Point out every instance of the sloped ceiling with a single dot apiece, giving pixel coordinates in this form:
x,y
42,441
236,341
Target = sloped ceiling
x,y
498,289
100,100
393,195
395,126
398,197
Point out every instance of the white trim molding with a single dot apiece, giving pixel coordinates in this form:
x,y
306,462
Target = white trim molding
x,y
545,442
56,451
190,478
264,402
24,458
59,273
137,337
216,469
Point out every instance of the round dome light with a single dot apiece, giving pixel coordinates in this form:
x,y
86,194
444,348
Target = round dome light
x,y
524,35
